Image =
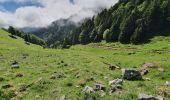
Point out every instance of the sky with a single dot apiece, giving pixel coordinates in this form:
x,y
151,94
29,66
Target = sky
x,y
40,13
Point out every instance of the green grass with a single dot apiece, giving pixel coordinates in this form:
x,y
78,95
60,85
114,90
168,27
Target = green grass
x,y
37,66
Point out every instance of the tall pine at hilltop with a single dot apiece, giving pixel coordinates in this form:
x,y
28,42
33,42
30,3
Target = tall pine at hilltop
x,y
128,21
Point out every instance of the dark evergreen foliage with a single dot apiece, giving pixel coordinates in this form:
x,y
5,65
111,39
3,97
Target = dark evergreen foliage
x,y
28,37
128,21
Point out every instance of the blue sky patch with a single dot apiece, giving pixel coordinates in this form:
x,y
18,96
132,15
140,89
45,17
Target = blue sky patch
x,y
12,6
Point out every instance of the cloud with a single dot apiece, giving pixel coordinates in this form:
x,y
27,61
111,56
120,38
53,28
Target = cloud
x,y
50,10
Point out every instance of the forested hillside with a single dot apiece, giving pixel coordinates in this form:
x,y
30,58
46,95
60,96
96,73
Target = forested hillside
x,y
28,37
128,21
55,32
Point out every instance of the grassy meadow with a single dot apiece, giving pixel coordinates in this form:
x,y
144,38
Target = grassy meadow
x,y
79,66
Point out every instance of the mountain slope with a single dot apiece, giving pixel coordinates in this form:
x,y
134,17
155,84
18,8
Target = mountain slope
x,y
56,31
128,21
51,73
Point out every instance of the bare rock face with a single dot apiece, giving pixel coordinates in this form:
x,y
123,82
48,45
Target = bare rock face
x,y
131,74
143,96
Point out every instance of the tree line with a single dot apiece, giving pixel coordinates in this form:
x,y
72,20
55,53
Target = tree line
x,y
128,21
28,37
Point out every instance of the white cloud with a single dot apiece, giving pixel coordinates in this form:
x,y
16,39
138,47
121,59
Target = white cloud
x,y
51,10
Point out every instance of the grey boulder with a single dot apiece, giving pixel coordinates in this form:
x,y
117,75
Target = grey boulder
x,y
131,74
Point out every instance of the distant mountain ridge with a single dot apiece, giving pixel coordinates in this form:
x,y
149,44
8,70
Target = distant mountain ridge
x,y
56,31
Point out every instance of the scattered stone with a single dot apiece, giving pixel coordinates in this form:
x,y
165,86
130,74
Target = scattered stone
x,y
131,74
19,75
99,87
167,84
143,96
15,65
63,97
113,67
147,79
149,65
143,71
115,85
1,79
161,69
116,82
6,86
88,89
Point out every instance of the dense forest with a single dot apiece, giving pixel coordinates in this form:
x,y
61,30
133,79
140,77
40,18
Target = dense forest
x,y
128,21
28,37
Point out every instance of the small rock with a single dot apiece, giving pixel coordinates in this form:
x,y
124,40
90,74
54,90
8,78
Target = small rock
x,y
88,89
131,74
115,85
147,79
113,67
6,86
149,65
63,97
167,84
116,82
143,96
99,87
14,65
144,71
